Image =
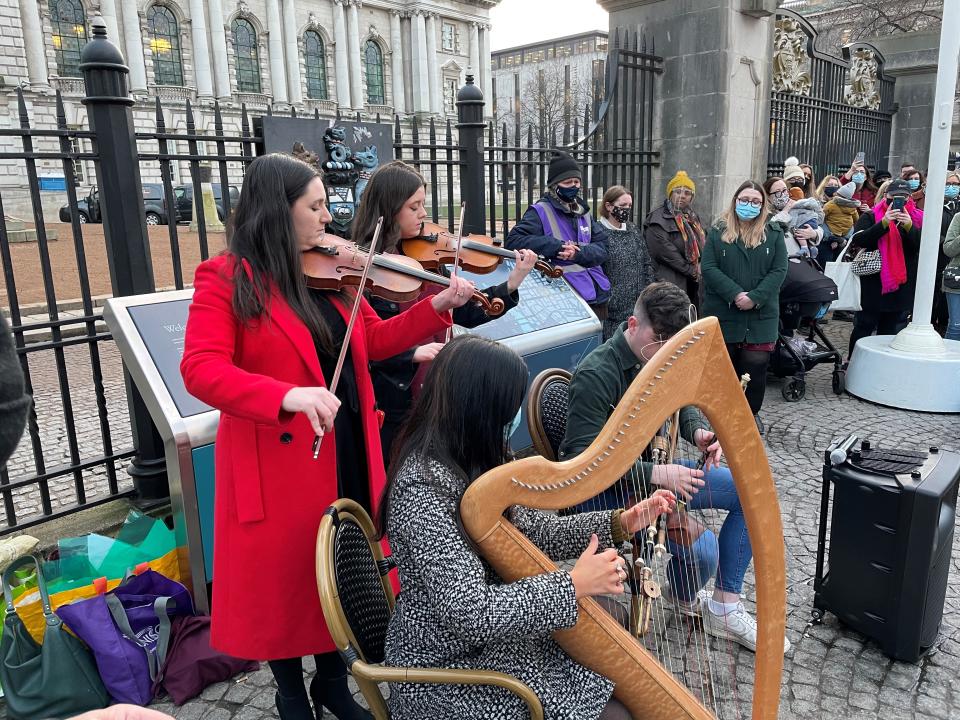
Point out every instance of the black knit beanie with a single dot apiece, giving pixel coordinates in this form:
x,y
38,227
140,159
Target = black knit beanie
x,y
13,403
562,166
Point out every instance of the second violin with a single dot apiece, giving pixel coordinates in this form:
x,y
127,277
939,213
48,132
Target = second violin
x,y
436,247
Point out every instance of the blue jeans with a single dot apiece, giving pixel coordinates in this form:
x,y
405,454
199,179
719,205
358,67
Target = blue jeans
x,y
691,568
953,307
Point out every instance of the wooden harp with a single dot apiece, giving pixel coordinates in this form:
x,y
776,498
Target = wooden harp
x,y
692,368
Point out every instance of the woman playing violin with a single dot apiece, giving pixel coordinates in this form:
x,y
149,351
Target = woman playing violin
x,y
396,193
260,346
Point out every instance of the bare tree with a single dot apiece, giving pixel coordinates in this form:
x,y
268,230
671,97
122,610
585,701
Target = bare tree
x,y
551,98
852,20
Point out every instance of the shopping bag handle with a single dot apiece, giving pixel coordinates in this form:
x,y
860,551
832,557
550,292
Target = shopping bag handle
x,y
8,574
161,607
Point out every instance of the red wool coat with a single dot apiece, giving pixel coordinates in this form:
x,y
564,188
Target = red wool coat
x,y
270,493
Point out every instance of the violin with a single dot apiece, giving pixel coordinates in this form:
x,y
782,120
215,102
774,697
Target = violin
x,y
397,278
478,253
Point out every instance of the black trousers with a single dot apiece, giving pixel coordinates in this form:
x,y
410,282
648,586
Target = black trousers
x,y
755,363
867,322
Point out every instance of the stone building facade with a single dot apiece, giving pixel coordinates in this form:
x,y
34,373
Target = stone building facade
x,y
367,56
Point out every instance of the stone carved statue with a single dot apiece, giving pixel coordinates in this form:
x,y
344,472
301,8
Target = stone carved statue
x,y
791,63
862,84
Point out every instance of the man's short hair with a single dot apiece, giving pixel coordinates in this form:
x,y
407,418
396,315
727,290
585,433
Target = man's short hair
x,y
665,307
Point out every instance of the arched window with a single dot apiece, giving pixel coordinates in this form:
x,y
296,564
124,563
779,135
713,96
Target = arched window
x,y
374,73
248,58
315,59
164,34
69,35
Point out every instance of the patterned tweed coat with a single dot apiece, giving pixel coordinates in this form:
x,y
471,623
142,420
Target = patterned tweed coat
x,y
454,612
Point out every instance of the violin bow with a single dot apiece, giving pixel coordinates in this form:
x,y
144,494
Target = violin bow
x,y
318,439
456,260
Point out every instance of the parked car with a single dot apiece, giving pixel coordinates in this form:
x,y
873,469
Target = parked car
x,y
184,201
88,208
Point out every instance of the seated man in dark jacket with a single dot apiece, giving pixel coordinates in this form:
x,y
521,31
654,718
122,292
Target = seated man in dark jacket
x,y
559,228
598,384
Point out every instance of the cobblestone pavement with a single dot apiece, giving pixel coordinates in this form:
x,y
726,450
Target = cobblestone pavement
x,y
831,669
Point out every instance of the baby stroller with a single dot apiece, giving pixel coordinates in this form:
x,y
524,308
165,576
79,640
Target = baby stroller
x,y
805,297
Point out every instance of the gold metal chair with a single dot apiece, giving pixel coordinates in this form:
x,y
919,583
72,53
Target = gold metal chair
x,y
358,600
547,411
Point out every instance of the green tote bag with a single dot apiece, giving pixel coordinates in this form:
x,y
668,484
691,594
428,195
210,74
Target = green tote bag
x,y
54,680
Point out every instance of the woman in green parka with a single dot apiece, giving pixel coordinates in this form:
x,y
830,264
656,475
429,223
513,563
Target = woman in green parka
x,y
744,263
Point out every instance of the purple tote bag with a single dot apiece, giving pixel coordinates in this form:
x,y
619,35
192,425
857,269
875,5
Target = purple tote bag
x,y
121,628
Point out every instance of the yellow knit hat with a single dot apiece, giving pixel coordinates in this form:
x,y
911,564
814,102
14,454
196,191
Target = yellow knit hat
x,y
681,179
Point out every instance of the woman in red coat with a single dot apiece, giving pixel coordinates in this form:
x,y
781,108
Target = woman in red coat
x,y
260,346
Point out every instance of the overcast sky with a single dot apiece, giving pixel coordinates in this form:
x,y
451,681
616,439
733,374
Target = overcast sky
x,y
518,22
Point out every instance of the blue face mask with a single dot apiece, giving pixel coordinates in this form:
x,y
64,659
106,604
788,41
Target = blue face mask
x,y
858,178
952,191
568,194
746,211
510,429
913,183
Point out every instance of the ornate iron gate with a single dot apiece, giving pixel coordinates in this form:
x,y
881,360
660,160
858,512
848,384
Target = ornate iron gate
x,y
825,109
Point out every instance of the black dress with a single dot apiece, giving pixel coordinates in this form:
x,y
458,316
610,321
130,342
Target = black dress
x,y
348,425
393,377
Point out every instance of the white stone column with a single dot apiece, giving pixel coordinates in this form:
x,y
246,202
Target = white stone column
x,y
486,71
133,42
33,44
433,66
353,48
292,45
275,47
396,63
421,89
474,55
201,53
341,57
108,8
218,43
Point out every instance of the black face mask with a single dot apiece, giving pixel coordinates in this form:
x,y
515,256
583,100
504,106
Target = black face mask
x,y
830,190
622,214
798,183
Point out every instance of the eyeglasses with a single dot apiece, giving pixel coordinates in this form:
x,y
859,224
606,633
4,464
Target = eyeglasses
x,y
745,201
780,193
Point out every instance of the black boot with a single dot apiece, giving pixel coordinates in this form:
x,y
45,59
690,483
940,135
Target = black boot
x,y
294,708
334,695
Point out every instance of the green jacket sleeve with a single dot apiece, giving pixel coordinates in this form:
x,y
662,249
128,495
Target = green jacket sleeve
x,y
691,420
713,276
951,243
768,289
588,407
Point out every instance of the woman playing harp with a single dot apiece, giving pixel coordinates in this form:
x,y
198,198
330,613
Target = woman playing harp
x,y
454,611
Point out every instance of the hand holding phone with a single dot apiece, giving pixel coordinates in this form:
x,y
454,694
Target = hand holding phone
x,y
899,203
859,158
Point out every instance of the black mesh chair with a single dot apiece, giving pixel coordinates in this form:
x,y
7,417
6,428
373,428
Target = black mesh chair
x,y
547,411
353,578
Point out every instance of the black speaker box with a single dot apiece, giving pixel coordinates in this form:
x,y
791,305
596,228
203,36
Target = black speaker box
x,y
890,543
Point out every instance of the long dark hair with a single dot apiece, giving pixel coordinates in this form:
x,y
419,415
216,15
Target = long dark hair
x,y
389,187
261,232
471,393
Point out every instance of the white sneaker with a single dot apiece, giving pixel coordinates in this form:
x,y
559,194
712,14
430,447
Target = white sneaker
x,y
691,608
739,626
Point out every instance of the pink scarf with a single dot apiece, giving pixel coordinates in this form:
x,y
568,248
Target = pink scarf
x,y
893,266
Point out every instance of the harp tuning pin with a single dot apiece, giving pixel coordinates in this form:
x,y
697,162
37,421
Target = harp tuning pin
x,y
659,549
